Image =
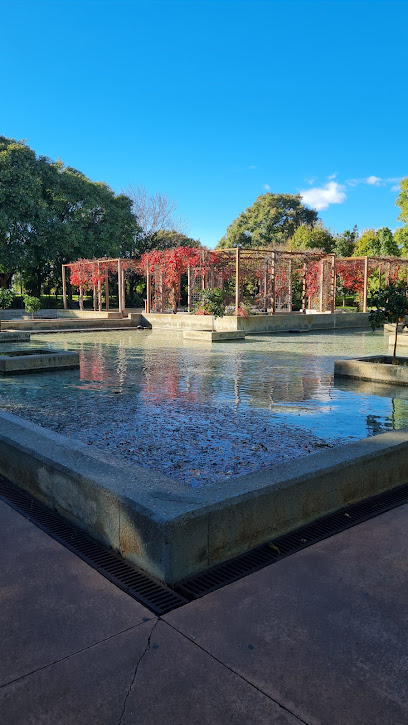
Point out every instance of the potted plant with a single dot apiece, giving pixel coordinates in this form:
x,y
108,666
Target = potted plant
x,y
31,304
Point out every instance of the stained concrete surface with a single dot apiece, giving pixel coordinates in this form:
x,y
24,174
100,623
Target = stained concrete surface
x,y
317,638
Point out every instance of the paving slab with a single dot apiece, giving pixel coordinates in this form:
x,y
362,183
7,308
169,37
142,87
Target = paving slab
x,y
323,632
149,675
52,604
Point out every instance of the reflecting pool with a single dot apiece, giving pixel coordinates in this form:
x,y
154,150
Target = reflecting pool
x,y
203,413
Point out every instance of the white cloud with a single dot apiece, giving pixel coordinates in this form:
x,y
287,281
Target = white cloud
x,y
373,180
396,187
310,181
266,187
320,197
332,176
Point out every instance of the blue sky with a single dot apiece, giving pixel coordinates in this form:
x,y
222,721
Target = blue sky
x,y
216,101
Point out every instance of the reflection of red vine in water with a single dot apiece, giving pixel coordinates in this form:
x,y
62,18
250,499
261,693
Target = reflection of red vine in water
x,y
92,366
163,384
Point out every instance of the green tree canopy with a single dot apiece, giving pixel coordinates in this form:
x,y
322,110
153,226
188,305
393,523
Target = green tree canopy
x,y
51,214
168,239
344,243
380,243
270,221
401,240
402,200
312,237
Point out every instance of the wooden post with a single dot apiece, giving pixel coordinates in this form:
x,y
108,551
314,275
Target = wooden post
x,y
273,285
290,302
265,284
123,292
237,279
119,286
107,291
148,291
99,290
387,278
321,285
81,297
365,284
379,275
64,287
304,288
189,288
333,284
95,301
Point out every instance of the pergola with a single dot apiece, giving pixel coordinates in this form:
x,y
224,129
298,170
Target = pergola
x,y
266,276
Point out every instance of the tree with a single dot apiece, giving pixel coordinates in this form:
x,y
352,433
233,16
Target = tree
x,y
155,214
402,201
270,221
388,245
401,240
170,238
344,243
390,305
51,214
312,237
368,244
380,243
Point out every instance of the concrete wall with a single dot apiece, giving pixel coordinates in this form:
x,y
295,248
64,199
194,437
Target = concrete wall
x,y
172,530
259,324
68,324
54,313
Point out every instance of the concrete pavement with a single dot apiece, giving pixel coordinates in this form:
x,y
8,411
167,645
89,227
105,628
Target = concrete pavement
x,y
320,637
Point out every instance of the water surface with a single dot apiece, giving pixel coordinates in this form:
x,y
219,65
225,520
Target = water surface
x,y
202,413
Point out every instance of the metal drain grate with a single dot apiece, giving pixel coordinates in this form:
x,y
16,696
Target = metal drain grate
x,y
149,592
222,574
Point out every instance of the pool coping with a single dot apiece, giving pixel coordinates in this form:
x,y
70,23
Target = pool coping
x,y
172,530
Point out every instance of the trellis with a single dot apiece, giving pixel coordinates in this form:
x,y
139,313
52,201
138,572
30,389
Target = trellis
x,y
262,279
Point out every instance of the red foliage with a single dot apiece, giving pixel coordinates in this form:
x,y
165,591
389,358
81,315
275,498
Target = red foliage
x,y
86,273
352,275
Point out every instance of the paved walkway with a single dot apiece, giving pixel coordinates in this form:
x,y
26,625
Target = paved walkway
x,y
319,638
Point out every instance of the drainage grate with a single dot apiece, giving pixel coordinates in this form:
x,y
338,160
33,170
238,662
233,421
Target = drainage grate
x,y
146,590
222,574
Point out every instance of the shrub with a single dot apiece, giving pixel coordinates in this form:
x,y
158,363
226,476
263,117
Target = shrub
x,y
6,298
211,302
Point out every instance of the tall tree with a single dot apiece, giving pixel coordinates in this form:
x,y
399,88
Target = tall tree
x,y
270,221
51,214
